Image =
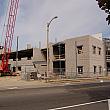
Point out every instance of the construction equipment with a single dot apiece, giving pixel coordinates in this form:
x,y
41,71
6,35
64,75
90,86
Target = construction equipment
x,y
13,7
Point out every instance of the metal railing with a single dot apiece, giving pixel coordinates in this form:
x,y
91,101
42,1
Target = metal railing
x,y
108,57
62,56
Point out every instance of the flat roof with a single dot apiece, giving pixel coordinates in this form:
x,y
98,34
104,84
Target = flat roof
x,y
21,54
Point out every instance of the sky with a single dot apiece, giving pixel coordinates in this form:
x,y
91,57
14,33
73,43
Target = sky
x,y
75,18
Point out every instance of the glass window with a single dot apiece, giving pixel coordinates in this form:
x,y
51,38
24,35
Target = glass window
x,y
79,49
99,50
100,69
95,69
80,69
108,52
94,49
19,68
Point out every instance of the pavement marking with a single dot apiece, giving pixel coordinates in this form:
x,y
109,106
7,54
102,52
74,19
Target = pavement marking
x,y
67,83
109,104
13,88
73,106
102,81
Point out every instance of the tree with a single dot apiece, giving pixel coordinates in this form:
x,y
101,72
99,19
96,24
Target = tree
x,y
105,5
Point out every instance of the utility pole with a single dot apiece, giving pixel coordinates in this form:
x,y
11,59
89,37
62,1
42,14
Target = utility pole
x,y
39,44
76,56
55,40
17,54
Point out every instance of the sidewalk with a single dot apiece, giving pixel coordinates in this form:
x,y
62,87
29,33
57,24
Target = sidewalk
x,y
11,82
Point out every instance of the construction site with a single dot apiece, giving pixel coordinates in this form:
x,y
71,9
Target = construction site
x,y
76,57
54,55
84,56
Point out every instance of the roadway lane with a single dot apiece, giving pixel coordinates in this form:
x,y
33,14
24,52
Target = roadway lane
x,y
54,97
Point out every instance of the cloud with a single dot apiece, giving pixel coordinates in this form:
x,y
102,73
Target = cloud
x,y
75,17
3,13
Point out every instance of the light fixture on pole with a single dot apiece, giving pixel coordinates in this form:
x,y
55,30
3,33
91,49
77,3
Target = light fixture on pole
x,y
48,25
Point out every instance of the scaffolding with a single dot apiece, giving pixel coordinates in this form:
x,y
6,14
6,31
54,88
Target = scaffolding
x,y
59,58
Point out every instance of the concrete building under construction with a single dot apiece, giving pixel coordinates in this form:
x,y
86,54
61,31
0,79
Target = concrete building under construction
x,y
107,54
81,57
75,57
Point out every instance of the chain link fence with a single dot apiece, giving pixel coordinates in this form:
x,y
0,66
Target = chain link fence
x,y
57,73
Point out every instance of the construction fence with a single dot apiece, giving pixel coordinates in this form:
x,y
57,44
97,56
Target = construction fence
x,y
58,74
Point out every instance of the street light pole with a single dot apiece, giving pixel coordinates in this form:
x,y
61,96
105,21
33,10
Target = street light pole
x,y
48,25
17,55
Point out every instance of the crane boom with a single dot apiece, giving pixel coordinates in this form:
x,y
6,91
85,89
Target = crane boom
x,y
9,34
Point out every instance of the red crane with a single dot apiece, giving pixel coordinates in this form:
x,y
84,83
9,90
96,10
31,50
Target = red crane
x,y
13,7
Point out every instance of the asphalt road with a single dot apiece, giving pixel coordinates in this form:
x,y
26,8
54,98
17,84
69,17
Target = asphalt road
x,y
56,97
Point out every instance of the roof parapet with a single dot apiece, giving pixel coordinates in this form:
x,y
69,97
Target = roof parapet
x,y
98,36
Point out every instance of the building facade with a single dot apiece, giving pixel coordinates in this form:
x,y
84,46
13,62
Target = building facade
x,y
79,57
28,60
76,57
107,54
